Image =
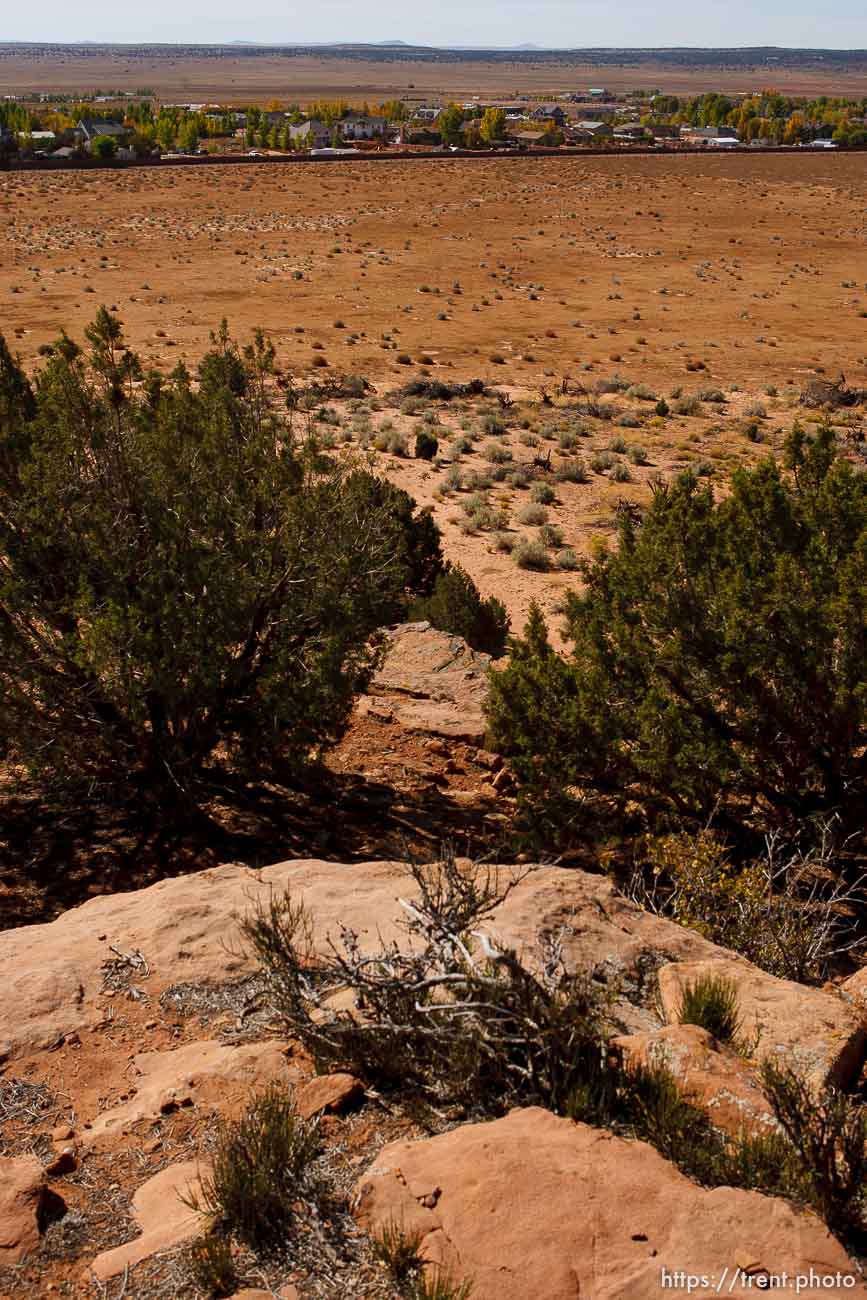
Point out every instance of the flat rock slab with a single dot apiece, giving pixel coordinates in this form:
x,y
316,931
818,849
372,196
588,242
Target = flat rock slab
x,y
22,1189
205,1071
717,1079
164,1219
432,682
187,930
816,1032
538,1207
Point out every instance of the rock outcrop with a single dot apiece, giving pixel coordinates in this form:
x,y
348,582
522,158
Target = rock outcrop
x,y
535,1206
22,1190
818,1033
715,1078
432,682
161,1211
186,929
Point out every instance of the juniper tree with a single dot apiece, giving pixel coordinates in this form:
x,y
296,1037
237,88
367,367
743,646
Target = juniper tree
x,y
183,579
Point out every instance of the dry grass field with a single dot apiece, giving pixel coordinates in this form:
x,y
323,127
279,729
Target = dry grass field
x,y
242,78
688,275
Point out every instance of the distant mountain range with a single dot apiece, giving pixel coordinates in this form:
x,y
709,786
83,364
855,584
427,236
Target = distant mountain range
x,y
706,58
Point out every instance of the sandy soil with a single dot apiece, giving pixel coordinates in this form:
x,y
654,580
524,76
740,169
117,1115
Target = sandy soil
x,y
243,78
683,272
739,261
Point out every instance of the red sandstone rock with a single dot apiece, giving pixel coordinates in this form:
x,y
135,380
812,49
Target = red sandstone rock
x,y
538,1207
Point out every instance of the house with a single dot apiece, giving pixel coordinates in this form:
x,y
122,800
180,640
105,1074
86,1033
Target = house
x,y
549,113
89,128
529,138
631,131
361,126
664,132
311,135
599,130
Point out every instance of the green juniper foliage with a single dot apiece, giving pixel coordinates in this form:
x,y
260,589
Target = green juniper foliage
x,y
183,576
456,606
719,656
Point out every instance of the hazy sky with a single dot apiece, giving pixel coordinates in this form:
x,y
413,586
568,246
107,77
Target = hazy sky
x,y
843,24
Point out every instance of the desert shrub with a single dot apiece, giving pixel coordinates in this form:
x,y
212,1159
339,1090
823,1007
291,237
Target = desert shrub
x,y
662,409
567,440
714,396
529,554
567,559
448,1019
759,703
461,446
532,514
787,911
755,411
613,384
438,391
397,1248
497,454
260,1164
426,445
479,480
711,1001
551,536
454,479
641,393
571,471
455,605
504,542
687,406
618,443
183,577
520,477
620,473
601,461
629,421
492,424
212,1265
828,1131
542,494
435,1282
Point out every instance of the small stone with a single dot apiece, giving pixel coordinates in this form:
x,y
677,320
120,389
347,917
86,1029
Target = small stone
x,y
747,1263
62,1133
327,1092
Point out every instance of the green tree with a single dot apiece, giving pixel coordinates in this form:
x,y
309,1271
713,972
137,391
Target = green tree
x,y
493,124
182,576
166,134
450,124
719,656
188,136
103,146
455,605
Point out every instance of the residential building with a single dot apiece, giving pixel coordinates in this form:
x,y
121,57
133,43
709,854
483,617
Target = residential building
x,y
311,135
89,128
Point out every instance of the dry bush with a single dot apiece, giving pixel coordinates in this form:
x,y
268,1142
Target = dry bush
x,y
444,1016
790,911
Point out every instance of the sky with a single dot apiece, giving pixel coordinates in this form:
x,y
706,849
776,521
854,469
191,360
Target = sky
x,y
550,23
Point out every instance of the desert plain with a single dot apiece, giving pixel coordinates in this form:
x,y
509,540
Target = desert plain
x,y
741,276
